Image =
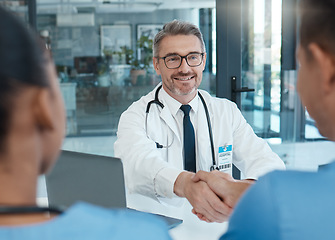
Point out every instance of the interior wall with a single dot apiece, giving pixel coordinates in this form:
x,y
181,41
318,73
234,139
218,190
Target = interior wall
x,y
69,42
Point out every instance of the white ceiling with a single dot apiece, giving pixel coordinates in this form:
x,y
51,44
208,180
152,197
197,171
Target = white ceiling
x,y
103,6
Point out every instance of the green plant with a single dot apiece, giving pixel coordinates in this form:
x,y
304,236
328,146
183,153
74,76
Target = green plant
x,y
102,68
128,53
107,52
123,56
144,47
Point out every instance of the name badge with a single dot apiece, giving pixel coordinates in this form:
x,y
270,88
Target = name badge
x,y
225,158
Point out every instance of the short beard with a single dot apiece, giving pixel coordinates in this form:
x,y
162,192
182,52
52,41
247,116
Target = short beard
x,y
178,92
173,89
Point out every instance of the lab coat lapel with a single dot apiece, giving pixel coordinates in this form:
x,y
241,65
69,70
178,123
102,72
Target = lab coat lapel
x,y
167,117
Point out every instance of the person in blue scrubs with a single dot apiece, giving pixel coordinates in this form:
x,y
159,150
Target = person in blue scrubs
x,y
293,204
32,127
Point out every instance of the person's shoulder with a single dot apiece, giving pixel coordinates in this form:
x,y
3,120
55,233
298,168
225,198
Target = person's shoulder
x,y
286,183
280,176
90,210
289,175
120,223
267,185
288,180
281,195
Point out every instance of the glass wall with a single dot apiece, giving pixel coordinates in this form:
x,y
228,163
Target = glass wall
x,y
103,54
19,7
261,65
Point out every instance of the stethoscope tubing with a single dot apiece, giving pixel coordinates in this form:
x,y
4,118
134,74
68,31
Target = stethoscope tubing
x,y
159,103
209,128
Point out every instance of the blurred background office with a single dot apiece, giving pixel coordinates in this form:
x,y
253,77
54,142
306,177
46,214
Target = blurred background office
x,y
102,50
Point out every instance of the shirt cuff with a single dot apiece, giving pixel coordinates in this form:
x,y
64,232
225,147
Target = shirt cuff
x,y
164,182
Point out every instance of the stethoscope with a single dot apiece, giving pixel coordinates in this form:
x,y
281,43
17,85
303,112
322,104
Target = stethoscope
x,y
159,103
30,209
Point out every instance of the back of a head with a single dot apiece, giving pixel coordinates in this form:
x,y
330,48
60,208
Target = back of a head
x,y
174,28
21,64
317,24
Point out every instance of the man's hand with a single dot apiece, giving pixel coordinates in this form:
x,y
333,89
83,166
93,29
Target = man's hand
x,y
204,201
228,189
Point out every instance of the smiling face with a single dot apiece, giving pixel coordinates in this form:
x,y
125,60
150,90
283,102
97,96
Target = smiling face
x,y
180,83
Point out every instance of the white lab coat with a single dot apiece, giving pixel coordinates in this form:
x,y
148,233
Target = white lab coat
x,y
152,171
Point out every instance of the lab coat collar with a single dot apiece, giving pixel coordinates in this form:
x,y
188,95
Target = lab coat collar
x,y
171,108
168,113
174,105
194,103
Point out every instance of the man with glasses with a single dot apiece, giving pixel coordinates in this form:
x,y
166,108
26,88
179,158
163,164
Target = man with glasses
x,y
174,61
176,130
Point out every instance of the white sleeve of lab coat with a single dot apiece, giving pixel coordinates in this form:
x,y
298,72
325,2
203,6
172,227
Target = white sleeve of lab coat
x,y
251,154
146,172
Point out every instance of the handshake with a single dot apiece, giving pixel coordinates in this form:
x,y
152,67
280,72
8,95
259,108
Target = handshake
x,y
213,195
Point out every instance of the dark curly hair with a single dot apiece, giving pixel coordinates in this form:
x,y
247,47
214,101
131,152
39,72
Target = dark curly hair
x,y
22,63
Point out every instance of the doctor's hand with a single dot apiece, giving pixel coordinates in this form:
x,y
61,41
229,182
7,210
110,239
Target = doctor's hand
x,y
227,188
204,201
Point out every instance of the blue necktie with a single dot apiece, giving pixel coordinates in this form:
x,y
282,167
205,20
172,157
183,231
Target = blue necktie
x,y
189,140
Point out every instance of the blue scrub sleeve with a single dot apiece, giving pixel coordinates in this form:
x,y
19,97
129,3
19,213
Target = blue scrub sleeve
x,y
255,216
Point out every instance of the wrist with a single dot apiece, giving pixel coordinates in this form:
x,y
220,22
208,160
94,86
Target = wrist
x,y
181,182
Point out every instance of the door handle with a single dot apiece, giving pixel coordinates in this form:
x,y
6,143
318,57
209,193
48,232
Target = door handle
x,y
239,90
243,89
235,90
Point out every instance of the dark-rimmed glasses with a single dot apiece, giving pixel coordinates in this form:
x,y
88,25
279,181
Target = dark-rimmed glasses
x,y
174,61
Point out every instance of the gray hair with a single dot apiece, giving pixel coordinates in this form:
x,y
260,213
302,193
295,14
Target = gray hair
x,y
174,28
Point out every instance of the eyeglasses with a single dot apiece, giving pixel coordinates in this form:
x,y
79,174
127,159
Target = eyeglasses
x,y
174,61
